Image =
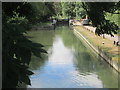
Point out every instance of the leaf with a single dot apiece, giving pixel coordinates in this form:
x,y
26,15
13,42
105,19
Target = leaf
x,y
29,72
26,79
43,51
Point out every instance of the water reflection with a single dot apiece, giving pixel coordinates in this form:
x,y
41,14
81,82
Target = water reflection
x,y
60,54
69,64
88,63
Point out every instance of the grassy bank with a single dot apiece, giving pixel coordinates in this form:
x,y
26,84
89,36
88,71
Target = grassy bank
x,y
108,47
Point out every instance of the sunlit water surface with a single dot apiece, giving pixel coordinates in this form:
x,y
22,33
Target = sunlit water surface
x,y
69,63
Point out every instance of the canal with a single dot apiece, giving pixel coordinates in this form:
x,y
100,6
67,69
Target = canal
x,y
69,63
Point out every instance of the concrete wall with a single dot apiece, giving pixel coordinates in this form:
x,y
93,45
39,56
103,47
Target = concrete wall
x,y
97,50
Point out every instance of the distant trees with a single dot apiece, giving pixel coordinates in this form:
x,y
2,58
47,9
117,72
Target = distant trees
x,y
16,47
97,11
42,11
58,9
80,12
70,9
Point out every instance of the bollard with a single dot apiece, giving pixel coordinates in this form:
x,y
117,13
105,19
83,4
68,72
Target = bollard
x,y
103,43
117,43
114,42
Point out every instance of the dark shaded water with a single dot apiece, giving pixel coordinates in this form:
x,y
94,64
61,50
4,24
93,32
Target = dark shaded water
x,y
69,63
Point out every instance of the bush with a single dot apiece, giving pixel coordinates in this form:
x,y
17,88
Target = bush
x,y
17,51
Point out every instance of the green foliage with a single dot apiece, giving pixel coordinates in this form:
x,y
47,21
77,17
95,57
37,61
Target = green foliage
x,y
113,18
34,11
58,9
65,9
96,12
17,51
70,9
42,11
23,8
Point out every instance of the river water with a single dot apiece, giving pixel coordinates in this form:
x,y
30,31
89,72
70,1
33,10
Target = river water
x,y
69,63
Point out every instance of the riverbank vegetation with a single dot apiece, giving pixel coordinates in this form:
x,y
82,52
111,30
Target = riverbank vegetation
x,y
17,48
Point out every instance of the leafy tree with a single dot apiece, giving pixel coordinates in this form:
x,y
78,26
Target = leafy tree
x,y
70,9
23,8
96,12
16,47
42,11
34,11
65,9
80,12
58,9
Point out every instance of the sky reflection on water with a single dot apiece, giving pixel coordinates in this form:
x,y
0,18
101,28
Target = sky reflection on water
x,y
71,66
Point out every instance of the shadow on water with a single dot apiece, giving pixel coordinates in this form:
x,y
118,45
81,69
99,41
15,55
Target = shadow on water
x,y
44,37
37,63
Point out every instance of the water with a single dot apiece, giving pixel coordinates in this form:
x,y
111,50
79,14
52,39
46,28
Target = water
x,y
69,63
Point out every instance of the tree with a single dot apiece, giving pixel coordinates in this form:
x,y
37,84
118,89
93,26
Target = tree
x,y
16,47
58,9
70,9
96,12
34,11
80,12
42,11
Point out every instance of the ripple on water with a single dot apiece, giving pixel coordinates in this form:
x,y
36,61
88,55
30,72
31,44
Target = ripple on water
x,y
85,80
65,69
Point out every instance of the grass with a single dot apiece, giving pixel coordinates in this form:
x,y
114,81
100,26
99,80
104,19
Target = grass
x,y
108,47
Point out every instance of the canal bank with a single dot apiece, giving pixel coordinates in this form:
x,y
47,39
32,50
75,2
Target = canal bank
x,y
100,52
69,63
